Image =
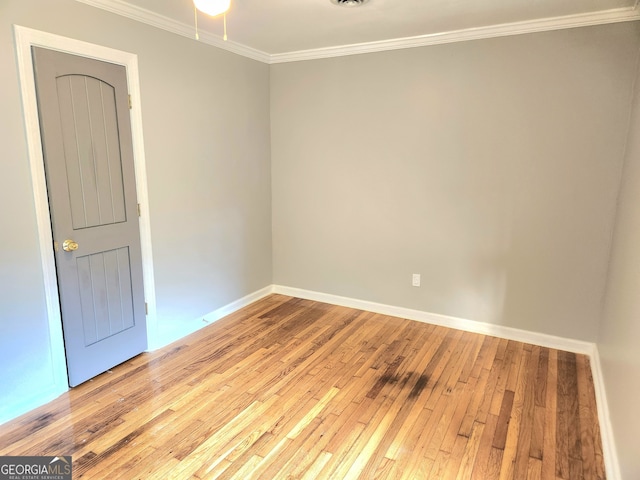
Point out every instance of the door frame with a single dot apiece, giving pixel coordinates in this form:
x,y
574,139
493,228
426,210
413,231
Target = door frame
x,y
26,38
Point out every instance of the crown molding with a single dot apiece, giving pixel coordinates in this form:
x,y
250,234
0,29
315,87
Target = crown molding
x,y
125,9
502,30
148,17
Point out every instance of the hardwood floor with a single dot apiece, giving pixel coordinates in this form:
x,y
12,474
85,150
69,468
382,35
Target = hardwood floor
x,y
289,388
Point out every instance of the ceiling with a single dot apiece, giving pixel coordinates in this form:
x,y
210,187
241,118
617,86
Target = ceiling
x,y
289,30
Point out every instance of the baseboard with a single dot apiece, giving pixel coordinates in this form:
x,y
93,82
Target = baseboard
x,y
535,338
238,304
172,333
611,463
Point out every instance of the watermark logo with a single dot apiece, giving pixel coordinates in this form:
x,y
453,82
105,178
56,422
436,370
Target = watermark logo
x,y
35,468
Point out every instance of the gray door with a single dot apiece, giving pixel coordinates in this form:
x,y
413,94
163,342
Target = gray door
x,y
83,107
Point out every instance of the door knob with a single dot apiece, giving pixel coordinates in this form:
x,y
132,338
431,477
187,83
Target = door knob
x,y
69,246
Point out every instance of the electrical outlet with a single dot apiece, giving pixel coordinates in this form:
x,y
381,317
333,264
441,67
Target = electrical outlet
x,y
415,280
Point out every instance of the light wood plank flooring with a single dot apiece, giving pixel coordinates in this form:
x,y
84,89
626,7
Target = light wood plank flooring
x,y
289,388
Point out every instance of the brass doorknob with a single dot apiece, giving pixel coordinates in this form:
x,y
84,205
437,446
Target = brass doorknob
x,y
69,246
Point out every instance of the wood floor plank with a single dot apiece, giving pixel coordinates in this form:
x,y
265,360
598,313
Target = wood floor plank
x,y
525,434
509,455
586,419
485,356
494,467
504,417
534,469
481,465
563,419
456,456
318,465
292,388
590,430
537,435
506,365
479,384
463,399
550,423
470,453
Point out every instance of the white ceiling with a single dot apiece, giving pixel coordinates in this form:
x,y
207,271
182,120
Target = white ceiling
x,y
285,30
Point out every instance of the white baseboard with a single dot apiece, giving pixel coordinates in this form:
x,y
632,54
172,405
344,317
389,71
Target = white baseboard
x,y
171,333
238,304
611,462
535,338
550,341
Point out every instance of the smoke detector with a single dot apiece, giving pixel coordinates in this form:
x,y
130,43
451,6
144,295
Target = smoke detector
x,y
349,3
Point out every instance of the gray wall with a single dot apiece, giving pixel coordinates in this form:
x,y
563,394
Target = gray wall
x,y
620,328
490,167
206,129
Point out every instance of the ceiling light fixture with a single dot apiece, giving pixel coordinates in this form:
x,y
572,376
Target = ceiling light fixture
x,y
211,8
349,3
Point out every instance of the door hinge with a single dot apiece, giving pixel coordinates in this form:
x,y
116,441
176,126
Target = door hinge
x,y
146,308
130,102
139,214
